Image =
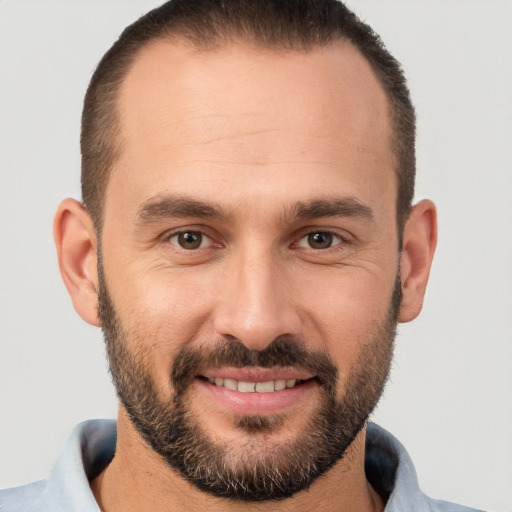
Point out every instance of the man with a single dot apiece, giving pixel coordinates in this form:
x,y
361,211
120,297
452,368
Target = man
x,y
247,244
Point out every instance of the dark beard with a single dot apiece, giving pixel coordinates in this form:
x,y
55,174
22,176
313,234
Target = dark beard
x,y
257,471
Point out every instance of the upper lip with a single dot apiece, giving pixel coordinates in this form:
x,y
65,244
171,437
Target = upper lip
x,y
256,374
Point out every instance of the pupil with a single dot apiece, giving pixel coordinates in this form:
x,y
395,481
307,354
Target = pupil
x,y
320,240
190,240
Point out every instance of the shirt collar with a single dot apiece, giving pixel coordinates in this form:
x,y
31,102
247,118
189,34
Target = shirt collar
x,y
91,446
391,472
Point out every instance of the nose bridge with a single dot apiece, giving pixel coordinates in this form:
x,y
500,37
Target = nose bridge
x,y
256,305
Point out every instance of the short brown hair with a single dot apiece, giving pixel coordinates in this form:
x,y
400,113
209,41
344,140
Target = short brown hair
x,y
298,25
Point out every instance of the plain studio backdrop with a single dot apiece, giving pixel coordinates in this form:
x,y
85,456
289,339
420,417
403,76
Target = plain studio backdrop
x,y
450,395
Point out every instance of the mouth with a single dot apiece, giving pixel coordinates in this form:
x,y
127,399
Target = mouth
x,y
268,386
256,391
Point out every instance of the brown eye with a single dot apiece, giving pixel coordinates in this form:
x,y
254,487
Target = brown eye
x,y
320,240
189,239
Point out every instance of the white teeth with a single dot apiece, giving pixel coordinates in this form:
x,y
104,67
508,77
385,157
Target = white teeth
x,y
279,385
246,387
253,387
231,384
265,387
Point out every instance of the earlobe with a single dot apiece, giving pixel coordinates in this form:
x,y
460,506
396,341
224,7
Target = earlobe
x,y
76,244
420,239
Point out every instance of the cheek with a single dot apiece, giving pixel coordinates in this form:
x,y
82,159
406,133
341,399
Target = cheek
x,y
159,318
346,310
168,309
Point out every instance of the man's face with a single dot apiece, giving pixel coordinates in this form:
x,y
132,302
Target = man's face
x,y
249,259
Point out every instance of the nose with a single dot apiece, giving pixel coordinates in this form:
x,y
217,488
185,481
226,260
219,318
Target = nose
x,y
256,303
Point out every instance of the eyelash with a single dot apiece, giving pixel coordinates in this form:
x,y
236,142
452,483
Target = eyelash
x,y
335,239
176,234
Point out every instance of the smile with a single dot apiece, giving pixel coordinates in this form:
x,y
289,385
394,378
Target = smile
x,y
254,387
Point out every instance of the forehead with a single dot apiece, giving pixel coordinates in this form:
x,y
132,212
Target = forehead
x,y
247,114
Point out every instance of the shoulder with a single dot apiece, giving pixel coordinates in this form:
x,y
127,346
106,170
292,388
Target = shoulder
x,y
87,451
447,506
391,472
21,499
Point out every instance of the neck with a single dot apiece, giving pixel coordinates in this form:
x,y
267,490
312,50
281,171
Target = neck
x,y
138,479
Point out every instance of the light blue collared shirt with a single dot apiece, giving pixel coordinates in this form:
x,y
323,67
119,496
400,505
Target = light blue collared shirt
x,y
91,446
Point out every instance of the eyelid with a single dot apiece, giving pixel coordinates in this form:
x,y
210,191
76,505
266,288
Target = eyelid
x,y
344,237
337,239
166,238
340,238
206,241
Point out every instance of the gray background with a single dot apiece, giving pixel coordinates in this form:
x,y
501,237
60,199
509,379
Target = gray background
x,y
449,400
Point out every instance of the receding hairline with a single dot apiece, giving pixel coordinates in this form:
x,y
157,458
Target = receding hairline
x,y
213,24
236,39
178,41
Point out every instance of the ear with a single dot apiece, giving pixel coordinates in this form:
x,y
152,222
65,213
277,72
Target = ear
x,y
420,239
76,243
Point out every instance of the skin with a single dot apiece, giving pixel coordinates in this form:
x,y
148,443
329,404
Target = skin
x,y
253,133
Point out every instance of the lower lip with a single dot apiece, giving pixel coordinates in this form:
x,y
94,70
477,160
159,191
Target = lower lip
x,y
254,404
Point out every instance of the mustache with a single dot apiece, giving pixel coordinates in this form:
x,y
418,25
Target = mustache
x,y
284,351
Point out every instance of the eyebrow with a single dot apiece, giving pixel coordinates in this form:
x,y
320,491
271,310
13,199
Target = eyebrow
x,y
332,207
172,206
176,206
